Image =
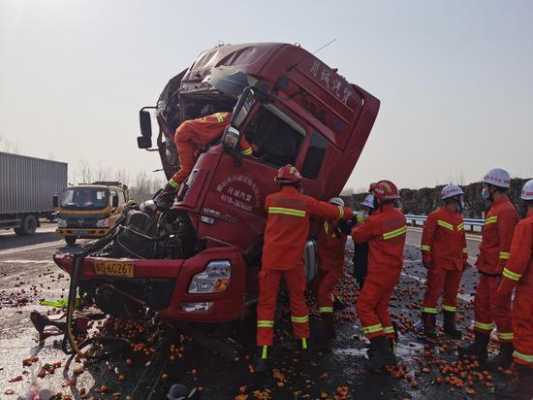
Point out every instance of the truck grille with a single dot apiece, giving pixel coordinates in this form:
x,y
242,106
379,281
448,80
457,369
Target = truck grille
x,y
79,222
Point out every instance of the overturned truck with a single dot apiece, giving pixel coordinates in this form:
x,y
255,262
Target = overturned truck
x,y
199,261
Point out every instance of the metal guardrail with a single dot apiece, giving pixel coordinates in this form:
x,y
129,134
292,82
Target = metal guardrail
x,y
471,224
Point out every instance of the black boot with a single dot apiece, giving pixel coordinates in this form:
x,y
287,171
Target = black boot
x,y
449,325
478,349
326,332
504,359
391,356
429,321
261,363
380,354
520,389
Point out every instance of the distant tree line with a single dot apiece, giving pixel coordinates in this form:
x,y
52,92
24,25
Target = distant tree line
x,y
141,186
423,201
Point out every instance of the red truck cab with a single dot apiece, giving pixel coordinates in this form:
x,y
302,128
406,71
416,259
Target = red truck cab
x,y
294,109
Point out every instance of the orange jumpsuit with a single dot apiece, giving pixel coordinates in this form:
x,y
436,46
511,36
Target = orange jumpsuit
x,y
444,246
331,249
286,232
519,273
385,231
493,257
194,136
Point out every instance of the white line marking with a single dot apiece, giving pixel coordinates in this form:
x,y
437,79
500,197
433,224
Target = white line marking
x,y
27,262
32,247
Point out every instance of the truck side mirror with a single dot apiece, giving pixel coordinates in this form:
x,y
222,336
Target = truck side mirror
x,y
145,118
114,201
55,201
242,108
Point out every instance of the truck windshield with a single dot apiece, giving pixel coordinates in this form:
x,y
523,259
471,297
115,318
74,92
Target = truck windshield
x,y
275,135
85,198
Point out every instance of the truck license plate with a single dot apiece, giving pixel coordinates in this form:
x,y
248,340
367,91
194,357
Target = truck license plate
x,y
114,268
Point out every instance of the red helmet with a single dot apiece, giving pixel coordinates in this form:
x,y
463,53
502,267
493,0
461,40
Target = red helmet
x,y
385,190
288,175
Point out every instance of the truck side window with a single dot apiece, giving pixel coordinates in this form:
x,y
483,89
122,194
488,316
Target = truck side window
x,y
315,156
276,136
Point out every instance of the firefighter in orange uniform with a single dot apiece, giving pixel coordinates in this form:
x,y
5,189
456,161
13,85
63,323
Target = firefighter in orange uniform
x,y
519,274
444,254
494,254
331,249
193,137
385,231
287,229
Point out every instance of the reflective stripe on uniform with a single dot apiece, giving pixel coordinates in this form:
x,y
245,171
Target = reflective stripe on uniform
x,y
491,220
505,255
430,310
173,183
325,309
525,357
395,233
461,226
300,320
445,224
304,343
505,335
483,326
511,275
341,212
219,117
446,307
287,211
426,247
265,324
247,151
372,328
388,329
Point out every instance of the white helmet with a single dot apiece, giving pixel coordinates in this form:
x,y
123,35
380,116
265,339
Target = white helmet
x,y
527,191
337,201
498,177
368,202
450,191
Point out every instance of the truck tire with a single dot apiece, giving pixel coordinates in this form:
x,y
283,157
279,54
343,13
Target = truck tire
x,y
28,226
70,240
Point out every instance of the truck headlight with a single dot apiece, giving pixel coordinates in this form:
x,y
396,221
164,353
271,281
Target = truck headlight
x,y
231,138
214,279
102,223
61,223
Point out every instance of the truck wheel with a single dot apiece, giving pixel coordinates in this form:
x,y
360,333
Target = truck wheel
x,y
28,225
70,240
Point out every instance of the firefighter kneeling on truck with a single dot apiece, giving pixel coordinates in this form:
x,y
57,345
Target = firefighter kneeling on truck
x,y
385,231
444,255
287,229
193,137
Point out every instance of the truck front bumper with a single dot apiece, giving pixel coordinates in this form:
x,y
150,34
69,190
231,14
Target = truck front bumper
x,y
180,305
83,233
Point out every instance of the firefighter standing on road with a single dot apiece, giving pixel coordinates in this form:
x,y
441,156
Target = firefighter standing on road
x,y
360,254
494,254
444,254
331,249
287,229
191,138
519,273
385,231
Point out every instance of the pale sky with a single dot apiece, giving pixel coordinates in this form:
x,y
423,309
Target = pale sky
x,y
455,77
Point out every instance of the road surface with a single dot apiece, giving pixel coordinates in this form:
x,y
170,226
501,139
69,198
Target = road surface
x,y
27,274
